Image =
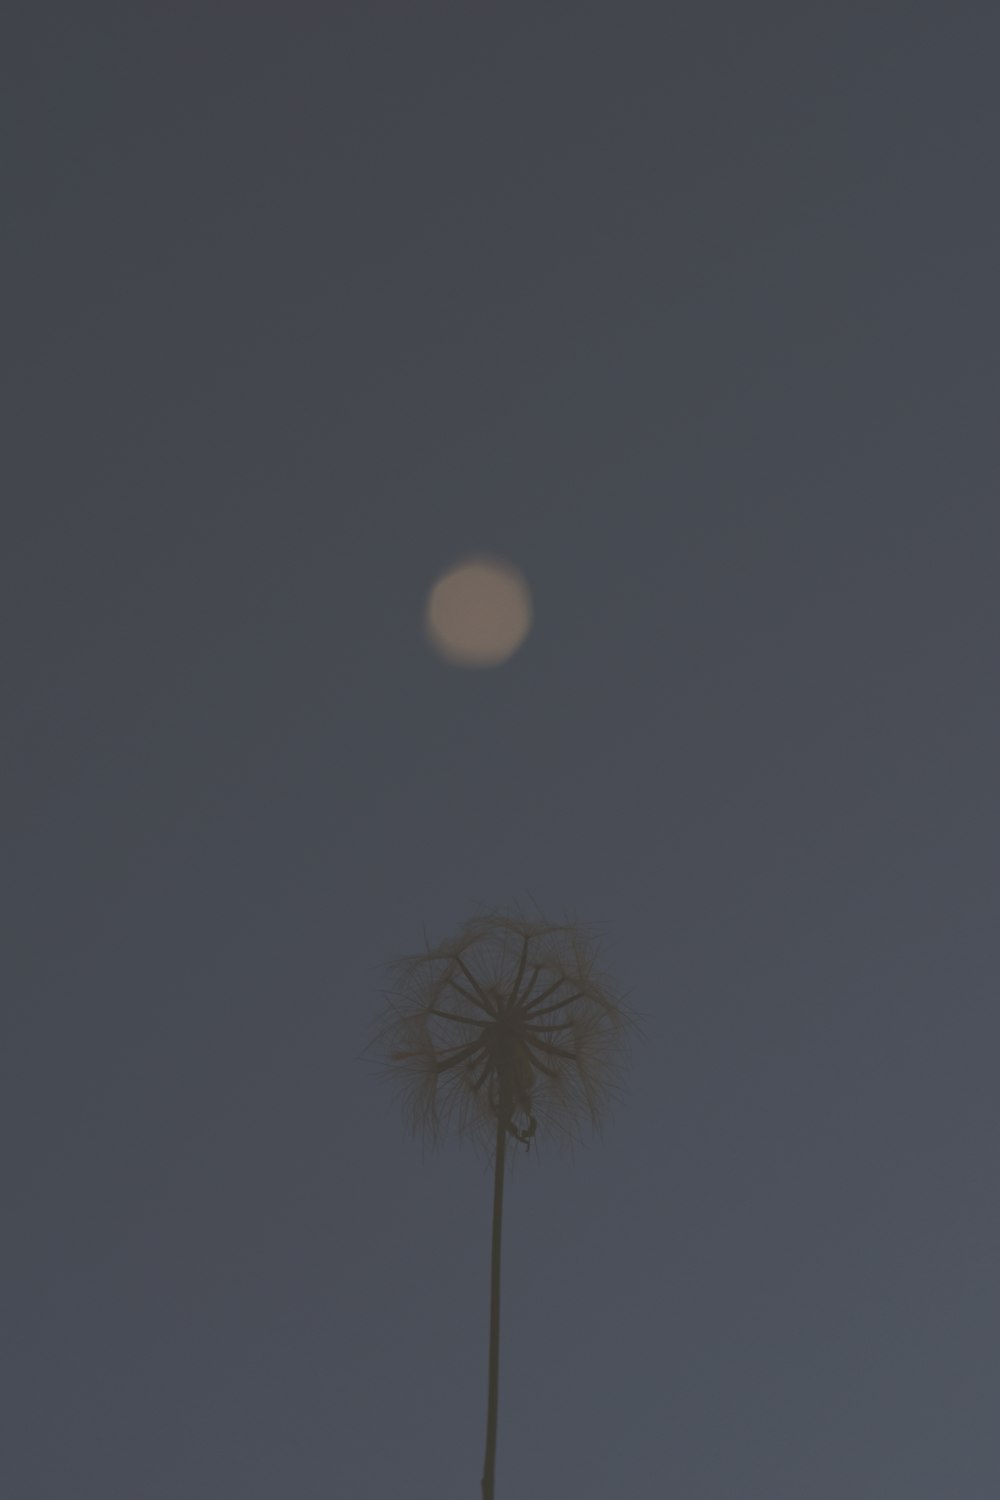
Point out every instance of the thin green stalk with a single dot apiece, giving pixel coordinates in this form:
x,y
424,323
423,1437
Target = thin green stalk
x,y
489,1464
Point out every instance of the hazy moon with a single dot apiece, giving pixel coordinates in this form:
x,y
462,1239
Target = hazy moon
x,y
479,612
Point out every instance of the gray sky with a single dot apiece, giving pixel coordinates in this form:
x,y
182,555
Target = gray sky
x,y
691,312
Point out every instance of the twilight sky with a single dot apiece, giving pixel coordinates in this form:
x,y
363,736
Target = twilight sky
x,y
690,311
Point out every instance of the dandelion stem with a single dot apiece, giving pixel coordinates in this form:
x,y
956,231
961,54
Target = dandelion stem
x,y
489,1465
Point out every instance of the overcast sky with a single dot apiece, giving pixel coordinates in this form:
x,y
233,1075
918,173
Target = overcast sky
x,y
690,311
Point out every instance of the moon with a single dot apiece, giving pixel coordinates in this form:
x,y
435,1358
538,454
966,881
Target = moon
x,y
479,612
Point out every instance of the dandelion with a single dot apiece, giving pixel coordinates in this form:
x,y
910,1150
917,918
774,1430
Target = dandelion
x,y
508,1032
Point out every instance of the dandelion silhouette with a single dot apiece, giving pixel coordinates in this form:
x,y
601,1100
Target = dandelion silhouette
x,y
511,1031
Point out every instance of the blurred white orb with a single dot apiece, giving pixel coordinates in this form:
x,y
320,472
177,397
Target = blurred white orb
x,y
479,612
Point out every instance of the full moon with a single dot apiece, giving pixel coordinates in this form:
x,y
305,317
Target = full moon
x,y
479,612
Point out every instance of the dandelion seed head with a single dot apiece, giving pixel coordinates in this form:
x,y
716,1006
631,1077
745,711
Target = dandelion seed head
x,y
511,1020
